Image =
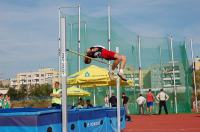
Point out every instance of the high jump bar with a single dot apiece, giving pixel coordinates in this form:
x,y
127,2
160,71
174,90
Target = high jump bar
x,y
74,52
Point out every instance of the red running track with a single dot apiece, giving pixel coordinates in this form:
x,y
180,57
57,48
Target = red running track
x,y
164,123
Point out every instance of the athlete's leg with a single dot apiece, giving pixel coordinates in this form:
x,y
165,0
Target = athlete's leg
x,y
110,55
120,59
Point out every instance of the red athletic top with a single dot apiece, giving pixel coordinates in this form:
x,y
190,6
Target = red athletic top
x,y
101,52
150,97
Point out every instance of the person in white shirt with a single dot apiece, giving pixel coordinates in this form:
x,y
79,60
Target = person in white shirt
x,y
141,101
162,97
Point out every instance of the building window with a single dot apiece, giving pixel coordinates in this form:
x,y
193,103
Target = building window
x,y
37,75
176,68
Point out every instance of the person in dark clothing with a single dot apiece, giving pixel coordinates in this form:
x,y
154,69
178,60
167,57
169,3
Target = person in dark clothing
x,y
125,104
88,103
113,100
162,97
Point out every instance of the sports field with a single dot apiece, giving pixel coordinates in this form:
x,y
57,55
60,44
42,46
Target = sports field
x,y
164,123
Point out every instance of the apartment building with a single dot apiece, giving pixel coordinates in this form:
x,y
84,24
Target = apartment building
x,y
197,63
42,76
4,83
130,73
164,76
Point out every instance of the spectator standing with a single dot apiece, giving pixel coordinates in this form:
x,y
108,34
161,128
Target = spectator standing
x,y
106,101
6,102
125,104
150,100
113,100
162,97
56,96
141,101
1,101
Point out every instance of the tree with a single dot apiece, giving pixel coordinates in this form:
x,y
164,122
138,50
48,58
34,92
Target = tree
x,y
41,91
197,73
12,92
22,92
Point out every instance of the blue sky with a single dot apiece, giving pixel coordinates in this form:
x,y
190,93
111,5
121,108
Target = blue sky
x,y
29,28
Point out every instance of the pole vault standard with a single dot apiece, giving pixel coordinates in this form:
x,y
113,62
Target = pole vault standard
x,y
109,42
118,98
63,74
63,65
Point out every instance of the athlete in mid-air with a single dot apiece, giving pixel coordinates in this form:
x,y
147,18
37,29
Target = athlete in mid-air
x,y
99,51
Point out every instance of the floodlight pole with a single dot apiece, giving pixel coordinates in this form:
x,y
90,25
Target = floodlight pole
x,y
140,65
118,98
109,42
173,70
194,75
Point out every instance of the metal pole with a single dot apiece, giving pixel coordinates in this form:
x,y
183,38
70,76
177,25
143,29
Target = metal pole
x,y
118,98
63,66
140,65
173,71
94,97
79,37
64,76
59,50
194,75
71,30
161,80
109,67
69,6
85,31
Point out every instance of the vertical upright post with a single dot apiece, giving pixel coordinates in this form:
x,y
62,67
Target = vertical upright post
x,y
194,75
118,98
161,80
71,33
173,71
109,41
59,46
64,76
79,37
85,31
94,97
140,65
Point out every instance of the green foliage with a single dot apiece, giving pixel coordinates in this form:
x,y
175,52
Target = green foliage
x,y
12,92
43,90
34,91
198,79
22,92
